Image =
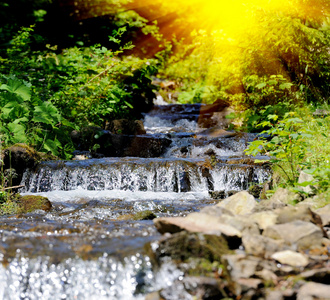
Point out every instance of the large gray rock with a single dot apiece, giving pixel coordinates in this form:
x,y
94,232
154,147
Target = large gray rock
x,y
239,204
314,291
300,234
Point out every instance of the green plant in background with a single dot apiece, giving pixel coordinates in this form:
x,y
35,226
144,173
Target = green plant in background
x,y
26,119
298,142
288,145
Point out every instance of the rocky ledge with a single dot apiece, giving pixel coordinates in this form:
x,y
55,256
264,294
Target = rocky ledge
x,y
244,249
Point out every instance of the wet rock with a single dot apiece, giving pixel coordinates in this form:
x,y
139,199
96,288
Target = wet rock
x,y
303,235
184,245
196,222
144,215
30,203
113,145
87,137
240,203
255,190
20,157
81,155
291,258
313,291
217,195
261,246
216,132
264,219
124,126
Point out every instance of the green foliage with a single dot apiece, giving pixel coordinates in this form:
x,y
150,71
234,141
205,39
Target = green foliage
x,y
297,142
288,146
26,119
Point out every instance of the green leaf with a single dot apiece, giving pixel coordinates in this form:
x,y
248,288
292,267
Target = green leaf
x,y
52,146
46,113
286,85
18,132
261,85
17,87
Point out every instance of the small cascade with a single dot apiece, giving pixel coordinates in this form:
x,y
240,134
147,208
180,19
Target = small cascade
x,y
130,174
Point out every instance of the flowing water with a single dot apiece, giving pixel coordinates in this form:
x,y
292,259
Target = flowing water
x,y
89,246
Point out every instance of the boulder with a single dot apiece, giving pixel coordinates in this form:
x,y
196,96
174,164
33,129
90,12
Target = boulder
x,y
300,234
240,204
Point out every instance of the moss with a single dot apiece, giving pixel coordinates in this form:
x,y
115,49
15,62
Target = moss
x,y
16,204
144,215
30,203
10,207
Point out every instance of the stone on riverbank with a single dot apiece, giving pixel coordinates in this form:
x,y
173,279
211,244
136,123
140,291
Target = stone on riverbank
x,y
241,203
300,234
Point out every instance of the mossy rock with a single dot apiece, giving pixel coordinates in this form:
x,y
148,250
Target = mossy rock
x,y
144,215
30,203
183,246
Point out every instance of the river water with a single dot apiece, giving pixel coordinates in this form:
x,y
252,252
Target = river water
x,y
89,246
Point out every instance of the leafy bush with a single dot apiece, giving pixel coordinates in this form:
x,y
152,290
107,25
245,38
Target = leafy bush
x,y
297,142
26,119
43,90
